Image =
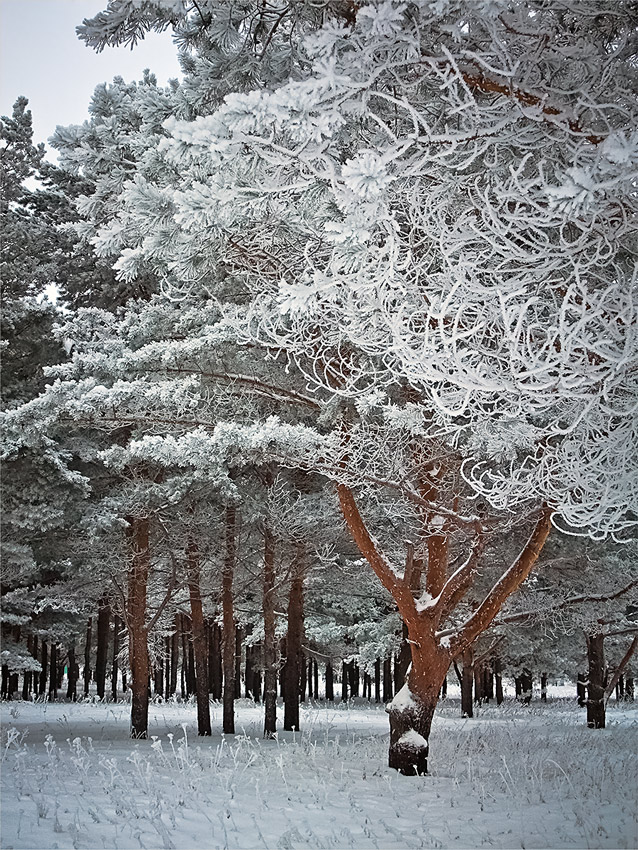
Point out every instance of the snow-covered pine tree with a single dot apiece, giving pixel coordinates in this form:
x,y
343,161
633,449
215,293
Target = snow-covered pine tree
x,y
435,221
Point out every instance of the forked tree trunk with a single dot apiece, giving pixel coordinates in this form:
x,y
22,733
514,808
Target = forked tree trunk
x,y
103,623
270,638
200,646
138,534
412,709
292,668
596,681
228,616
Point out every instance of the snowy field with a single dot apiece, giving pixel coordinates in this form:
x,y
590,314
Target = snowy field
x,y
514,777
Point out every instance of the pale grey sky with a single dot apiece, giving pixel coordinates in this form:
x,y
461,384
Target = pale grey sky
x,y
42,59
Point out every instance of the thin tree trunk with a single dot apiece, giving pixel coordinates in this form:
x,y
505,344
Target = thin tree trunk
x,y
87,656
527,685
596,679
330,687
629,689
44,664
174,657
377,680
117,625
294,638
72,679
215,661
239,642
270,638
199,640
467,681
28,676
345,677
138,535
543,687
249,669
498,680
103,622
228,615
581,689
315,678
387,680
53,672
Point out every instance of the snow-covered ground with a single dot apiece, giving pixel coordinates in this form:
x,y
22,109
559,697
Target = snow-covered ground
x,y
512,777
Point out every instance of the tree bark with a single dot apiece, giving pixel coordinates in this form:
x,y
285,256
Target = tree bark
x,y
596,681
581,689
629,689
239,642
215,661
527,686
87,656
498,680
199,639
53,672
294,639
44,664
315,678
117,625
345,678
387,680
543,687
270,638
172,690
410,718
467,681
138,535
412,709
72,678
103,623
330,692
377,680
228,616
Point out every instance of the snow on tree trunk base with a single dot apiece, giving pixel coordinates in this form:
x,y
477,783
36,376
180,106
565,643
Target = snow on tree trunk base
x,y
410,723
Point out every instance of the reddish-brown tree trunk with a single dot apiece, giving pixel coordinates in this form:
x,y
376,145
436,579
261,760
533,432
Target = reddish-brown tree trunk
x,y
467,682
200,647
72,677
53,672
138,535
292,668
412,709
117,624
596,681
330,682
228,616
270,638
87,656
215,661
